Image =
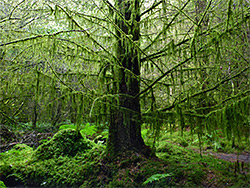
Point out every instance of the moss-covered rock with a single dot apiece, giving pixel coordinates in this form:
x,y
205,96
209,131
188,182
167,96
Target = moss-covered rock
x,y
64,143
10,163
52,165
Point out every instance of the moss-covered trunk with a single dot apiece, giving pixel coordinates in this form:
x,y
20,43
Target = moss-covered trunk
x,y
125,127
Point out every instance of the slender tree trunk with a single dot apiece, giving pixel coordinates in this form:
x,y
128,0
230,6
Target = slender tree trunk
x,y
200,6
35,116
125,126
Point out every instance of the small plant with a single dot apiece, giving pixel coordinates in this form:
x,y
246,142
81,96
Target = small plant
x,y
88,129
156,177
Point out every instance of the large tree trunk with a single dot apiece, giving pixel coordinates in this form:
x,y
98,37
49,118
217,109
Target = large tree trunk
x,y
125,125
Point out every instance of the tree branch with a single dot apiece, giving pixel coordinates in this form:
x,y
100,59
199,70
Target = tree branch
x,y
165,28
163,50
42,36
205,91
151,8
163,75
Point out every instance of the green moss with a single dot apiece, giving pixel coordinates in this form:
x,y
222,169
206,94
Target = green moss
x,y
192,170
66,170
14,158
89,167
66,160
64,143
63,171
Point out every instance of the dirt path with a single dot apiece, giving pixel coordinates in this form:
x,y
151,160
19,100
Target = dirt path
x,y
243,157
232,157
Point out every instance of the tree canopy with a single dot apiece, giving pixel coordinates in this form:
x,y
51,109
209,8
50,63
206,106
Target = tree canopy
x,y
158,63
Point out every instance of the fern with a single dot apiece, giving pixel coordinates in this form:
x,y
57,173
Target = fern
x,y
88,130
156,177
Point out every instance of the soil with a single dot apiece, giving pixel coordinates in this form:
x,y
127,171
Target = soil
x,y
8,138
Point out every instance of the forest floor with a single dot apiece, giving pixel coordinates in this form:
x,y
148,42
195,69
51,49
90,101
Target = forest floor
x,y
240,161
34,139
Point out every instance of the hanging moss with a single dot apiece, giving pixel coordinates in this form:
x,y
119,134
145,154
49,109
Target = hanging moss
x,y
233,119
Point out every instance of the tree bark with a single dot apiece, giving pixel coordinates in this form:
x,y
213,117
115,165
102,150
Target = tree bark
x,y
125,125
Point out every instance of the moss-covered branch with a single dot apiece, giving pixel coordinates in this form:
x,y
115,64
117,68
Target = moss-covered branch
x,y
205,91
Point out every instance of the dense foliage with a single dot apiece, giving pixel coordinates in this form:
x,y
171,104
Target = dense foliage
x,y
60,62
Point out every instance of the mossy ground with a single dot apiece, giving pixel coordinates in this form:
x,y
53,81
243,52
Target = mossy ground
x,y
86,165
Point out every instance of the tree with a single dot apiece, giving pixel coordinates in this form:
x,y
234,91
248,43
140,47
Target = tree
x,y
125,124
129,63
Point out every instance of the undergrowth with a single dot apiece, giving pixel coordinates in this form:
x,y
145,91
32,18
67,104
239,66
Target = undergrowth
x,y
214,141
65,160
71,160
